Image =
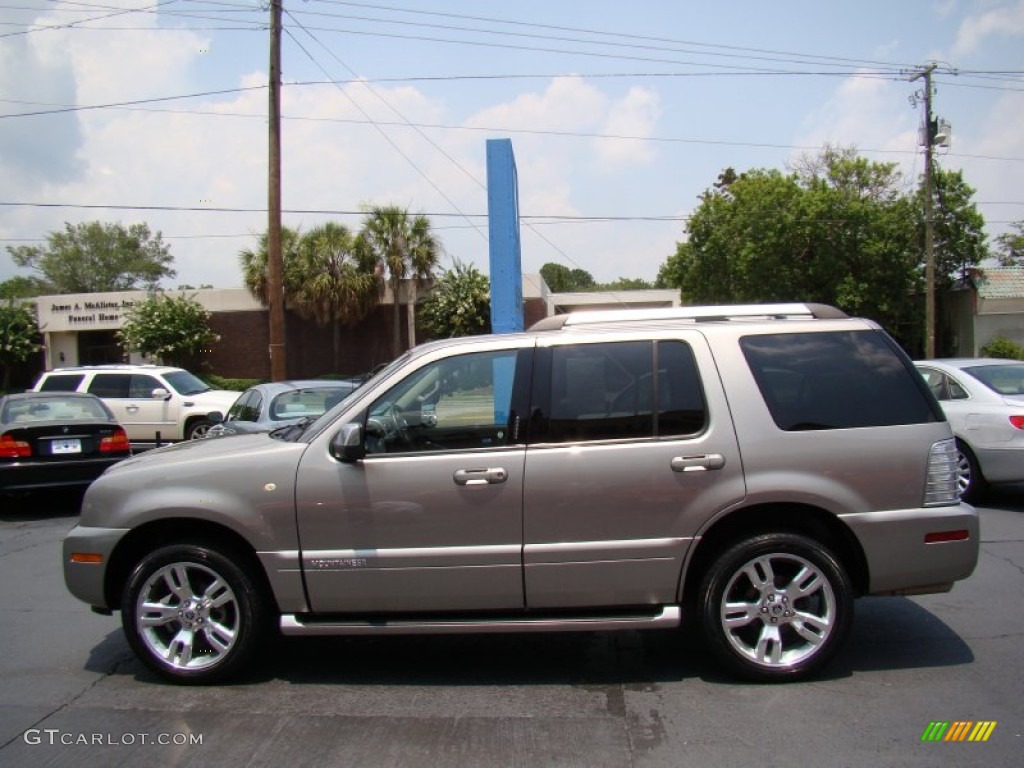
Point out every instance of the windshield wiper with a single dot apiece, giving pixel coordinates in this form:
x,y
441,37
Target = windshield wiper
x,y
291,432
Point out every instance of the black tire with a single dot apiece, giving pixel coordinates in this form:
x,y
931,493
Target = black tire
x,y
791,607
197,429
970,481
193,615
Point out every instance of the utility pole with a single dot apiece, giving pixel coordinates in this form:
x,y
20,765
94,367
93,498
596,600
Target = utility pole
x,y
275,269
929,224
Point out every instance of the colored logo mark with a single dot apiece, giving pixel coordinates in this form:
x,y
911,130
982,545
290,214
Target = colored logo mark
x,y
958,730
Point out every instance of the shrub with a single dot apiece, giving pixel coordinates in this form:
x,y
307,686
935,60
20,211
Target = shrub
x,y
1000,346
223,382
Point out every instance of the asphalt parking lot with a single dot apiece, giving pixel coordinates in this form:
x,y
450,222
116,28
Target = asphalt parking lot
x,y
71,692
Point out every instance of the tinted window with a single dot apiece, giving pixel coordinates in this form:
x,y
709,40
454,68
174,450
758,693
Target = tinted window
x,y
609,391
837,380
457,403
142,386
110,384
246,407
185,383
61,383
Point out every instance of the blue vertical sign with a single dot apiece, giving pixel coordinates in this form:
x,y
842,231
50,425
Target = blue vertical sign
x,y
503,228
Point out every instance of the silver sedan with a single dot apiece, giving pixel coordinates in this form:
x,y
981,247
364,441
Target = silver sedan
x,y
266,407
984,401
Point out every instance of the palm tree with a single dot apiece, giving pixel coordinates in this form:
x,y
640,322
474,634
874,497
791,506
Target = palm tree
x,y
404,246
254,265
334,285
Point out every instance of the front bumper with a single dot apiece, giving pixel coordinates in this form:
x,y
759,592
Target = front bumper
x,y
86,580
901,561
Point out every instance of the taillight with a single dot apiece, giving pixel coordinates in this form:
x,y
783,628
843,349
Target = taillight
x,y
115,443
1017,421
14,449
941,484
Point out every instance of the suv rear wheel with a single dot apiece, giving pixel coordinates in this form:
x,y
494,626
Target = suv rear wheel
x,y
776,607
191,614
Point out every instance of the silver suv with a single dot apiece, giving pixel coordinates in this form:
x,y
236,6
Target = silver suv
x,y
154,403
753,468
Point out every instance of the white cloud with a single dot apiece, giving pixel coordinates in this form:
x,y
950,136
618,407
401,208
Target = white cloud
x,y
1006,21
634,115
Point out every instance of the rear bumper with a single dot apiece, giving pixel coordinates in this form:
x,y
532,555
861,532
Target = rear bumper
x,y
1001,465
30,475
901,561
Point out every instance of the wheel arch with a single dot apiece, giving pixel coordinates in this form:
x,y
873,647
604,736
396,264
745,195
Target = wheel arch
x,y
158,533
802,519
190,421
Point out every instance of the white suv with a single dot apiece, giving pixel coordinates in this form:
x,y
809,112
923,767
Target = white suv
x,y
153,403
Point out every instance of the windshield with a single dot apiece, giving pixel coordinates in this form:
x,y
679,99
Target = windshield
x,y
185,383
312,425
299,403
1005,379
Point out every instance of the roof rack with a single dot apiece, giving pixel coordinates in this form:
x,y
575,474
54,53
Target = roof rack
x,y
693,314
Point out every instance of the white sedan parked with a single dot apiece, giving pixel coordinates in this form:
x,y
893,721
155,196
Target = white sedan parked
x,y
984,401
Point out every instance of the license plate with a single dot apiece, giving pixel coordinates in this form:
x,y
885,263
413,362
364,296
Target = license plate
x,y
68,445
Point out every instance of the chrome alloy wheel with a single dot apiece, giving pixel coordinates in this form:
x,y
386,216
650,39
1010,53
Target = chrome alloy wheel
x,y
778,610
187,616
964,472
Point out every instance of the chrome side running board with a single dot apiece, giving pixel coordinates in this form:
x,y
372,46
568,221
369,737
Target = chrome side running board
x,y
668,616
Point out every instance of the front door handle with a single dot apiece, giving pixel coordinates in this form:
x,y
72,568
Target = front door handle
x,y
698,462
488,476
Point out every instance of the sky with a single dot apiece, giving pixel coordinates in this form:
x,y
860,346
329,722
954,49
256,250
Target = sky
x,y
620,114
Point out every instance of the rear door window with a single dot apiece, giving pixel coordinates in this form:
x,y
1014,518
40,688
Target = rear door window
x,y
837,380
110,385
619,390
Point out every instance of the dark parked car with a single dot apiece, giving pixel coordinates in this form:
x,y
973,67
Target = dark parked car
x,y
265,407
56,439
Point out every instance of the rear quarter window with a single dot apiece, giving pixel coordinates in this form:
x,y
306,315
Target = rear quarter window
x,y
837,380
61,382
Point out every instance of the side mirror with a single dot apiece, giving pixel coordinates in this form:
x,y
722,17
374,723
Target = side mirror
x,y
347,445
160,394
215,417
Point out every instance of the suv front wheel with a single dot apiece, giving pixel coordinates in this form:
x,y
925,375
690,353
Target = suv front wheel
x,y
776,607
191,614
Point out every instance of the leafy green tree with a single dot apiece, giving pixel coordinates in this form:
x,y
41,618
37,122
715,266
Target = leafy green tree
x,y
332,283
402,245
22,287
624,284
458,305
959,229
171,329
94,256
838,231
562,279
1010,246
19,337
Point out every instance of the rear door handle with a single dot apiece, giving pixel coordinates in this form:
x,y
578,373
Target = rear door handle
x,y
488,476
698,462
